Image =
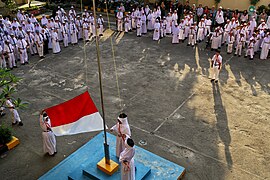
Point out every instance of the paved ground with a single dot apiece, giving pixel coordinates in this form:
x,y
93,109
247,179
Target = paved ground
x,y
215,131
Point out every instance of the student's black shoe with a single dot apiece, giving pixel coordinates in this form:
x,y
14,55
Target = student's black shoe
x,y
14,123
20,124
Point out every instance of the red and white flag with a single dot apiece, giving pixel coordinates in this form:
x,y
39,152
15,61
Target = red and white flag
x,y
75,116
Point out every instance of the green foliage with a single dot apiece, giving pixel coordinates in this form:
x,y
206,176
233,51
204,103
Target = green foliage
x,y
7,78
7,81
217,2
9,90
11,5
5,134
31,8
18,103
261,8
254,2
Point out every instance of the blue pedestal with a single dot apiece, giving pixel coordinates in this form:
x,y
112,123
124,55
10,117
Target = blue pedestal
x,y
82,164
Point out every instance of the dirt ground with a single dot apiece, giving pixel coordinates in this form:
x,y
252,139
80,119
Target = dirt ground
x,y
214,131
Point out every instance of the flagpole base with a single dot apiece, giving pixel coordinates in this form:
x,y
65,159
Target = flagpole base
x,y
107,168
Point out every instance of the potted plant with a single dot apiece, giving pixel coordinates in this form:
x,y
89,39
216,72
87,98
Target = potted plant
x,y
5,134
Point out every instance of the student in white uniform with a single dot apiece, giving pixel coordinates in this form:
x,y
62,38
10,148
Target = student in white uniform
x,y
39,43
250,49
231,40
123,130
100,23
55,42
156,33
64,31
175,33
9,50
15,115
49,141
216,66
22,46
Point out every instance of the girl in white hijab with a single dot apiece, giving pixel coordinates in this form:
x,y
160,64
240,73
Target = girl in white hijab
x,y
122,129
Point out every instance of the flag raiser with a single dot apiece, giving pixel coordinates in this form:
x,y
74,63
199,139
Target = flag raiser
x,y
75,116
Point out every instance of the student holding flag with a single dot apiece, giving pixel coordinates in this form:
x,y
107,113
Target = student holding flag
x,y
49,141
123,131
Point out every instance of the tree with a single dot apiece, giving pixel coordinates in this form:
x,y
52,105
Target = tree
x,y
7,82
254,2
217,2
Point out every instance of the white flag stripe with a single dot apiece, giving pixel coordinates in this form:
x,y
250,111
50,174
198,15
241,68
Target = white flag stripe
x,y
92,122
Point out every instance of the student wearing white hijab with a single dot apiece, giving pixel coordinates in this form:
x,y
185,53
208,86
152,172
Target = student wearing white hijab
x,y
122,129
49,141
127,161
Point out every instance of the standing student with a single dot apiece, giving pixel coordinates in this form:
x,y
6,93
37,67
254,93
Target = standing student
x,y
127,161
55,43
49,141
22,45
122,129
216,66
15,115
39,43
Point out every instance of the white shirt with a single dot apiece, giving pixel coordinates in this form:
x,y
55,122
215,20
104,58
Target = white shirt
x,y
219,17
217,60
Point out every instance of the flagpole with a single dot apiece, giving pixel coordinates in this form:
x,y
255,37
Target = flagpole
x,y
106,146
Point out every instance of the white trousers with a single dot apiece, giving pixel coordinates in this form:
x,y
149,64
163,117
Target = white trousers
x,y
191,39
200,34
15,116
23,56
239,49
139,31
65,40
215,73
230,48
11,60
86,34
32,49
3,62
40,50
120,25
100,29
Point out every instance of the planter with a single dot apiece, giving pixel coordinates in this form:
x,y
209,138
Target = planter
x,y
86,7
13,143
112,11
98,9
92,8
105,10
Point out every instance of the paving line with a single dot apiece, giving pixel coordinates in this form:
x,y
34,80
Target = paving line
x,y
167,118
228,60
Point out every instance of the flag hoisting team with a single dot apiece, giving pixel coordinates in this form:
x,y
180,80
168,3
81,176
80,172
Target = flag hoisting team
x,y
25,34
125,150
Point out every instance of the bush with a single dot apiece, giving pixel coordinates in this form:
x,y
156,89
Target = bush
x,y
5,134
261,8
254,2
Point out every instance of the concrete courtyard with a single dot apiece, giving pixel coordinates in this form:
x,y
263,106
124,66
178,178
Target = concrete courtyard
x,y
214,131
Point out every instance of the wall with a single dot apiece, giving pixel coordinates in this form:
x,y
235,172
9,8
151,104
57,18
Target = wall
x,y
232,4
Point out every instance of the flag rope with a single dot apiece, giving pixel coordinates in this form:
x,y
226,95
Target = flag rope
x,y
114,62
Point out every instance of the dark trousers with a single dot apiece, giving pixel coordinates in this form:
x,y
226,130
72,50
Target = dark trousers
x,y
45,47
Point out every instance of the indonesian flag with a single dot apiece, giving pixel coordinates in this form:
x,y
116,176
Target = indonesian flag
x,y
77,115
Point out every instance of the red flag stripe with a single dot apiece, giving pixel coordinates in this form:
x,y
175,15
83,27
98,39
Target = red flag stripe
x,y
72,110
